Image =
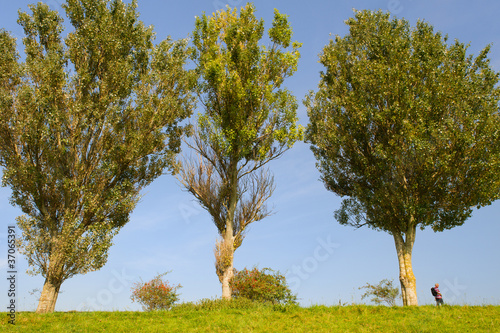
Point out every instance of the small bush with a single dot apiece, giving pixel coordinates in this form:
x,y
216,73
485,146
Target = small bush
x,y
263,285
155,294
384,291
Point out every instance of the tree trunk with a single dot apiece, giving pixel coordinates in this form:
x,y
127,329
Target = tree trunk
x,y
224,251
228,271
404,248
226,288
53,280
48,298
229,231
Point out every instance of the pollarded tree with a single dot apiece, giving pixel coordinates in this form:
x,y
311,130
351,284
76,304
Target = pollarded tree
x,y
249,120
86,122
407,127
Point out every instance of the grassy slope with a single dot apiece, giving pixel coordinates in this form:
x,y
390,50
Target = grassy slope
x,y
268,319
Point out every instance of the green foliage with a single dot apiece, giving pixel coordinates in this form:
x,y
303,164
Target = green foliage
x,y
249,120
405,125
263,285
384,291
86,122
247,111
156,294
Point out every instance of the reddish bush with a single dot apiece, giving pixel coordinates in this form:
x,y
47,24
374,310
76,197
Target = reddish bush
x,y
263,285
155,294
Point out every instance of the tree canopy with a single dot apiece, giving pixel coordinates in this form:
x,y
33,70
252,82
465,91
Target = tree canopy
x,y
86,122
406,126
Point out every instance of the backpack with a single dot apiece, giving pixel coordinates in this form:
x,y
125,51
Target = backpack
x,y
433,291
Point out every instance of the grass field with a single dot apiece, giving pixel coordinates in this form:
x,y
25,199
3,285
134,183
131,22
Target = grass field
x,y
260,318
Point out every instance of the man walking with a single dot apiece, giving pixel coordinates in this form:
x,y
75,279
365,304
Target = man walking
x,y
437,295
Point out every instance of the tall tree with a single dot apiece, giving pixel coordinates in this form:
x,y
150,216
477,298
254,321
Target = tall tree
x,y
85,123
407,127
249,120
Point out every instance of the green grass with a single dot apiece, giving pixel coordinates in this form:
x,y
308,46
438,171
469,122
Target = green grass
x,y
214,317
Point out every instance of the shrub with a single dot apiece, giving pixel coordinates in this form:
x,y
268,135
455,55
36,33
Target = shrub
x,y
156,294
382,292
263,285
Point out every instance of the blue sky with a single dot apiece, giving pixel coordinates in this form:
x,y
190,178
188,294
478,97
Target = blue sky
x,y
325,263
